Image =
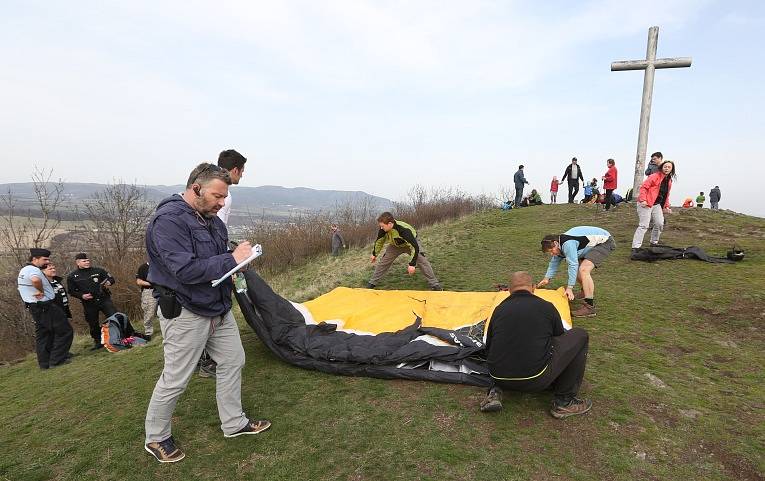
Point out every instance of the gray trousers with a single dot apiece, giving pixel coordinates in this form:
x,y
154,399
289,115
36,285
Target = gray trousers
x,y
646,216
184,339
149,307
715,205
384,262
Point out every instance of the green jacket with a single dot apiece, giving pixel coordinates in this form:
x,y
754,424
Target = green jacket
x,y
402,235
700,199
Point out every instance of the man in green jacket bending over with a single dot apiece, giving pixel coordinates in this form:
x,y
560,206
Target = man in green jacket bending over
x,y
401,238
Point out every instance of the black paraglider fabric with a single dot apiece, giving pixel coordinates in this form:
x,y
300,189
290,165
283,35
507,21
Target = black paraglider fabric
x,y
282,328
662,252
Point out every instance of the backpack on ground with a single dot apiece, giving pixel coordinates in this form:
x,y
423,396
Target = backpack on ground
x,y
117,334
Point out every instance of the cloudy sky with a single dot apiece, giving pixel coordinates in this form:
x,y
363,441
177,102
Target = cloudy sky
x,y
380,95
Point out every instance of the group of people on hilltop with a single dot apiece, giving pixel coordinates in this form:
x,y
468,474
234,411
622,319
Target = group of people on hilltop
x,y
188,246
574,177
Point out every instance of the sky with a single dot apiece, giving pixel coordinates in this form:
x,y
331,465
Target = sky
x,y
381,96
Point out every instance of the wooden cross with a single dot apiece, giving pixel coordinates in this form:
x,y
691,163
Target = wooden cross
x,y
650,64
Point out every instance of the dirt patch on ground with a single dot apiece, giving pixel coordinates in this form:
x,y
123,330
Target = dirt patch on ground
x,y
659,413
736,465
679,351
745,312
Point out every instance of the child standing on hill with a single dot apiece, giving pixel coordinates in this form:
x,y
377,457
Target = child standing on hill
x,y
700,200
609,182
554,189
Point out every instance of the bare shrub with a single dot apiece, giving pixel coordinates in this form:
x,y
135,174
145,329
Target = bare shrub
x,y
430,206
119,214
18,229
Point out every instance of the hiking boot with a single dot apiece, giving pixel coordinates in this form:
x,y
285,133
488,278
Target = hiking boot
x,y
493,401
147,337
252,427
437,287
572,408
370,285
96,346
585,310
165,451
65,361
208,369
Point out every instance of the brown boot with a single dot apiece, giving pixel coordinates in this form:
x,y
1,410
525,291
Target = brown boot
x,y
585,310
573,408
493,401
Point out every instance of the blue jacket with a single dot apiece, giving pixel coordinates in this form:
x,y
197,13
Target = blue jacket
x,y
574,244
188,252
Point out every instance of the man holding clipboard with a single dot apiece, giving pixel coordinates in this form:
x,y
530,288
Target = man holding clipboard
x,y
187,246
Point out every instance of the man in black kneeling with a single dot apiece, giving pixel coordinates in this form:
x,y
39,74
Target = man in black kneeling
x,y
529,351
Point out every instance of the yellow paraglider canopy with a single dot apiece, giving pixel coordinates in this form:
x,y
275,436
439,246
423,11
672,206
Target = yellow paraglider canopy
x,y
376,311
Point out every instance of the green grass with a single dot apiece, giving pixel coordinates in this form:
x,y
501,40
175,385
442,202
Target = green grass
x,y
696,326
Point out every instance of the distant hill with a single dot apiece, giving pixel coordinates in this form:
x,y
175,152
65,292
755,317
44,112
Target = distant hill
x,y
270,201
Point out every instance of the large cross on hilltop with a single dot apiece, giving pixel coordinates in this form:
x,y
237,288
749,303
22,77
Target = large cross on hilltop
x,y
650,64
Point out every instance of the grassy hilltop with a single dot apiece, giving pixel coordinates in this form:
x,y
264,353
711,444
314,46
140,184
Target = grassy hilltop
x,y
697,327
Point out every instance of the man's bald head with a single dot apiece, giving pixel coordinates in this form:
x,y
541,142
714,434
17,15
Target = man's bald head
x,y
521,281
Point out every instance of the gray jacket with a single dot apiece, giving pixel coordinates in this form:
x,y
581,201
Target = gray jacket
x,y
714,195
337,240
519,178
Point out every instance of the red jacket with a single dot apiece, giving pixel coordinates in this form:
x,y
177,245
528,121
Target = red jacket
x,y
609,180
650,189
554,186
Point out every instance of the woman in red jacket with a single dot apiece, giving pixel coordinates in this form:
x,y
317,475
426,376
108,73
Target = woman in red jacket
x,y
653,202
609,182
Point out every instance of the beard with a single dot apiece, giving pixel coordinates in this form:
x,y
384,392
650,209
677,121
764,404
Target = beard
x,y
206,210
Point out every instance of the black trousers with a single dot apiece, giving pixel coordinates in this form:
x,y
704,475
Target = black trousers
x,y
53,334
564,372
573,189
609,198
92,308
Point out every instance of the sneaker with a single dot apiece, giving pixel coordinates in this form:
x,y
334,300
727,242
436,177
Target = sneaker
x,y
165,451
572,408
493,401
437,287
585,311
370,285
252,427
208,369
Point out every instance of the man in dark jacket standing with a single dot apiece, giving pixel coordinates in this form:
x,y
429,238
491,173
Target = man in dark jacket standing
x,y
574,174
528,350
91,286
188,249
519,180
714,198
338,243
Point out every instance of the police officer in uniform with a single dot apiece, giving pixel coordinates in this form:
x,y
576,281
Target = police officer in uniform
x,y
91,286
53,334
